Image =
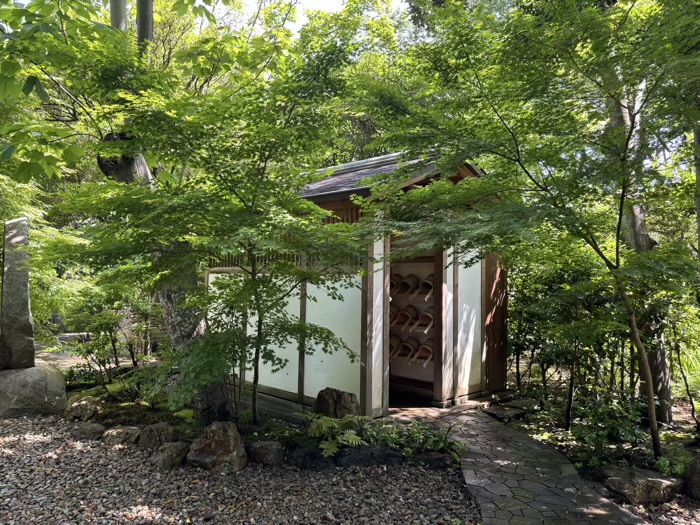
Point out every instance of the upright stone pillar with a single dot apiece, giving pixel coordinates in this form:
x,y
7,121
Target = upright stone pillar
x,y
16,326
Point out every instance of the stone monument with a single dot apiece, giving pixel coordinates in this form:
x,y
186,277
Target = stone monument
x,y
27,387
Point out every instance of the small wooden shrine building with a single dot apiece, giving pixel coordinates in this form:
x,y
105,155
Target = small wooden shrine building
x,y
424,326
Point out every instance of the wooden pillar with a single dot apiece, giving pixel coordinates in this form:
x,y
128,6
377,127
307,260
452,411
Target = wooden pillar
x,y
387,331
367,319
302,345
441,386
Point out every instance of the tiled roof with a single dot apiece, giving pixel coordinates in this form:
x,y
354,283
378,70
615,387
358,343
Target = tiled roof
x,y
346,179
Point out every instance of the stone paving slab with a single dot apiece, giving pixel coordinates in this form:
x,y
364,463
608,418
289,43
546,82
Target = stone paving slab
x,y
519,481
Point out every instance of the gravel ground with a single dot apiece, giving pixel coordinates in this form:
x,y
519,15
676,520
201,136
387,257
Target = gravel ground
x,y
680,511
47,477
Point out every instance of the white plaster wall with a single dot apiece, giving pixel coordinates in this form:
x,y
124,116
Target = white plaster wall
x,y
286,379
376,349
344,319
469,330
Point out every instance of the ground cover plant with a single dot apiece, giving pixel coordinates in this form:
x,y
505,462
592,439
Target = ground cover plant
x,y
356,431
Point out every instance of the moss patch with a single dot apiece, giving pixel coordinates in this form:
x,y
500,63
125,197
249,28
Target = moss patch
x,y
120,409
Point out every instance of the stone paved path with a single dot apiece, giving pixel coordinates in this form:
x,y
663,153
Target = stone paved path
x,y
519,481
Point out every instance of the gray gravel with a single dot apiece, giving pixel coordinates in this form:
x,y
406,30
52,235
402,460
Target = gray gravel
x,y
47,477
681,511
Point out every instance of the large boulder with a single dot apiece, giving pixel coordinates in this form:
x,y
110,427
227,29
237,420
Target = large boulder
x,y
36,391
221,446
171,455
332,402
121,436
84,430
16,325
692,478
155,436
640,487
82,409
266,452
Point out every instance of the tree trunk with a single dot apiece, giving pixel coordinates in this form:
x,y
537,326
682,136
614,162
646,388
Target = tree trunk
x,y
118,18
644,370
633,361
144,23
569,399
123,168
661,380
518,379
181,323
256,367
688,392
636,236
635,230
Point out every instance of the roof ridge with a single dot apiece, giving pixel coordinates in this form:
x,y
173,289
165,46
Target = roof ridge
x,y
373,162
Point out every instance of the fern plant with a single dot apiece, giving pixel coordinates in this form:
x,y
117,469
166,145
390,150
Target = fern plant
x,y
335,433
356,431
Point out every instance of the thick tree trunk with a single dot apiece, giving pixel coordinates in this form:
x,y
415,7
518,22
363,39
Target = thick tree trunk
x,y
635,230
123,168
216,402
637,238
144,23
181,323
118,18
661,380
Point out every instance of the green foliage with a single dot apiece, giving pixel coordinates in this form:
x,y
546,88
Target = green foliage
x,y
354,431
567,111
335,433
596,413
80,377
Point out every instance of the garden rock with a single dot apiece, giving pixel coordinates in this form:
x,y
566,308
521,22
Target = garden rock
x,y
171,455
309,458
367,456
332,402
203,461
121,436
154,436
433,460
84,430
528,405
266,452
640,487
221,446
82,409
504,413
692,478
16,324
36,391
